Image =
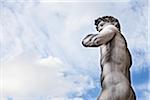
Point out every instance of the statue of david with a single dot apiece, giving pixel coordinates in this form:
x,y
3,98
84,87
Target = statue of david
x,y
115,59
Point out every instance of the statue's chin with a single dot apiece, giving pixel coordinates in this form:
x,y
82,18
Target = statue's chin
x,y
99,30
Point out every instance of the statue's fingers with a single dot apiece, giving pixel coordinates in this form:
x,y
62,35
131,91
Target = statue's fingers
x,y
88,40
85,43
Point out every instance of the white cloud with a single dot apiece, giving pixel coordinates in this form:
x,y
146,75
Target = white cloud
x,y
144,90
28,76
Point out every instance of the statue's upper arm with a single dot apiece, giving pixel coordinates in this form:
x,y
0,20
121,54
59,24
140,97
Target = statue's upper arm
x,y
105,35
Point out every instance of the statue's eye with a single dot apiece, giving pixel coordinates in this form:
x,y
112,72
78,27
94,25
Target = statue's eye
x,y
101,24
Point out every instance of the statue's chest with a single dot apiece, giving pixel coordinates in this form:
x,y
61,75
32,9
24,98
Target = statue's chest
x,y
105,53
105,49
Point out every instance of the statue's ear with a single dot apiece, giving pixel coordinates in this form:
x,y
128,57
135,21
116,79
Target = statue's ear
x,y
116,24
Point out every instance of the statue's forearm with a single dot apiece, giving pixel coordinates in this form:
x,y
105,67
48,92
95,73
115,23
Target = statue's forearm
x,y
90,40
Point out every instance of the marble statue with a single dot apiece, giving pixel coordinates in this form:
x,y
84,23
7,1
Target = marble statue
x,y
115,59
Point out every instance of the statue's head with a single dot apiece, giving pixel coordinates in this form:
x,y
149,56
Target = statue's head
x,y
102,22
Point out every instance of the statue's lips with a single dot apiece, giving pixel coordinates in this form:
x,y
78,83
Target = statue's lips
x,y
100,30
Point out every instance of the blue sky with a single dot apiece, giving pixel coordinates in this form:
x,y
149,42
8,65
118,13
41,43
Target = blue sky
x,y
41,53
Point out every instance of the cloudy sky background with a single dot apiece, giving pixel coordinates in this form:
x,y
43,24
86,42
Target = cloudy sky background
x,y
41,53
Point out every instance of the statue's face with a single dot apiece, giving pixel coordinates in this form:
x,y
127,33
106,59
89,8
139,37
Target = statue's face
x,y
102,25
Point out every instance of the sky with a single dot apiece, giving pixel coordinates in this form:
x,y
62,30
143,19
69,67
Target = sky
x,y
41,55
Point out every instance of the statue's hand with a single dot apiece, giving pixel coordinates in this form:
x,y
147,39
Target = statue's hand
x,y
88,41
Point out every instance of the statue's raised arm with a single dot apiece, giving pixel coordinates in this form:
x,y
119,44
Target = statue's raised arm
x,y
104,36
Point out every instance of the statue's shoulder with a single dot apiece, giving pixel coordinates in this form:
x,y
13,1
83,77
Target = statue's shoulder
x,y
112,28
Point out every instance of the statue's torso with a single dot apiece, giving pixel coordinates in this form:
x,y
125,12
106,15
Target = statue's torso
x,y
115,61
115,74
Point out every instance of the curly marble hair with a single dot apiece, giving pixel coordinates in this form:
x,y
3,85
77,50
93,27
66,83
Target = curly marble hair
x,y
108,19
